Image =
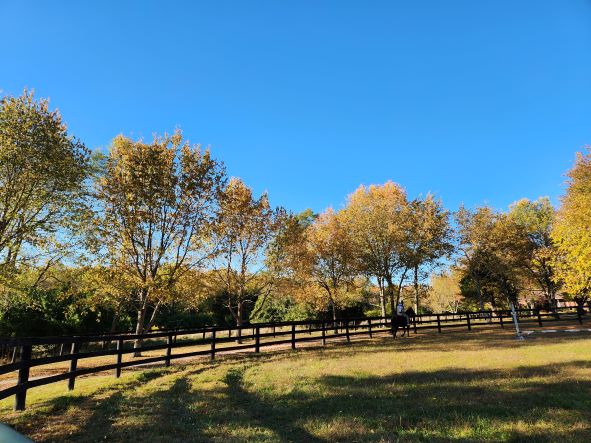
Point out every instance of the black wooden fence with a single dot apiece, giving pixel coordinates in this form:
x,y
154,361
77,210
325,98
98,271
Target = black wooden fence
x,y
33,352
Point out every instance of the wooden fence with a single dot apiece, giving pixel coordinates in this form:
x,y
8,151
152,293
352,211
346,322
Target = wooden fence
x,y
35,352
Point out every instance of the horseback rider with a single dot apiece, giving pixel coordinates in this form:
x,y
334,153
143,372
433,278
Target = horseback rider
x,y
402,317
400,308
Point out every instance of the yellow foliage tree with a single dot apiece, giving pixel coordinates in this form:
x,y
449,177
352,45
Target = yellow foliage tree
x,y
157,201
380,222
329,261
243,231
572,230
444,292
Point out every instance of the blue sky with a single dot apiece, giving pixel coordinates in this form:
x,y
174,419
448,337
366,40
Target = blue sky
x,y
477,101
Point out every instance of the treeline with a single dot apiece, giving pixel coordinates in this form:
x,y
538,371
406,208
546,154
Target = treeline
x,y
154,234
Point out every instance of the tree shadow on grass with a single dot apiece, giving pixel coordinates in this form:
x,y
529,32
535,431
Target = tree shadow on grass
x,y
429,405
443,405
534,403
272,415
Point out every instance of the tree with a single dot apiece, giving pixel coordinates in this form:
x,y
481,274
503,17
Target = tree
x,y
536,219
493,249
287,251
381,226
156,204
329,259
42,178
243,230
430,238
572,231
445,292
472,237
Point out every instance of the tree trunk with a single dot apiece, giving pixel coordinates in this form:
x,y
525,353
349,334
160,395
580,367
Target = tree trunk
x,y
239,320
382,296
416,284
115,321
390,288
333,308
479,292
139,329
141,318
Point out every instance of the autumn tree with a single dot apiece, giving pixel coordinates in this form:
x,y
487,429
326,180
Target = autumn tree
x,y
156,202
243,231
429,239
535,219
493,248
288,253
329,259
42,179
379,219
572,233
472,240
444,292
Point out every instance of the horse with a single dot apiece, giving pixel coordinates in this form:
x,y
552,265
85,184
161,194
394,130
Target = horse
x,y
401,320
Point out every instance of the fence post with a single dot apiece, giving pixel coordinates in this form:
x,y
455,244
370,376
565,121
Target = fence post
x,y
23,378
369,326
539,318
213,344
439,323
347,330
119,357
257,340
323,333
468,321
414,322
293,334
73,365
168,350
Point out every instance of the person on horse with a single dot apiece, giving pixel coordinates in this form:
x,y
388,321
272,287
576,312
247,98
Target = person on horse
x,y
402,318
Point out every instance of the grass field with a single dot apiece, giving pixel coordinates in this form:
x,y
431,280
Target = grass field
x,y
457,386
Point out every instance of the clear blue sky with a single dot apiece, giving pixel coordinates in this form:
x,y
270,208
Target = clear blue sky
x,y
477,101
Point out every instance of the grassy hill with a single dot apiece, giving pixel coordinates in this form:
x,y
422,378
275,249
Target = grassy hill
x,y
458,386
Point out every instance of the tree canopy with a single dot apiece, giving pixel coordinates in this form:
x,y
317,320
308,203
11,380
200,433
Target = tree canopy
x,y
153,234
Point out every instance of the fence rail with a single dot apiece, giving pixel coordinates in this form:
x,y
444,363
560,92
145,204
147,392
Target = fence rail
x,y
212,341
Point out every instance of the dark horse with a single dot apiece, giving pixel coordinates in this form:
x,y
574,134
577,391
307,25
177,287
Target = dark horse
x,y
403,321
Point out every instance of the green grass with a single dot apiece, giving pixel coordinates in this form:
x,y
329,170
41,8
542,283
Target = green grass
x,y
458,386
